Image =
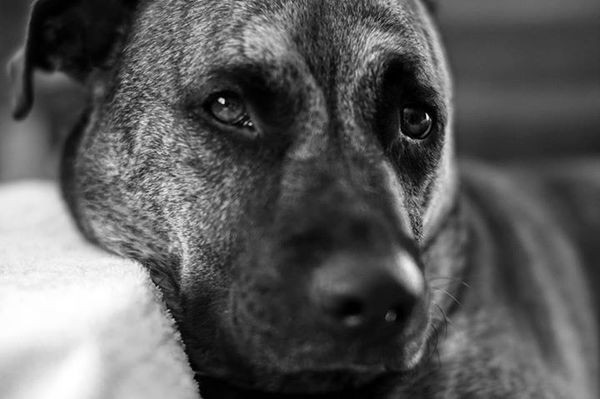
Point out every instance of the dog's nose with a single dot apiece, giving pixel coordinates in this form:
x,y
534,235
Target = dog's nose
x,y
353,292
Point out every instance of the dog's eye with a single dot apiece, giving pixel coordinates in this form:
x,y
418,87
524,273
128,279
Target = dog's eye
x,y
416,123
229,108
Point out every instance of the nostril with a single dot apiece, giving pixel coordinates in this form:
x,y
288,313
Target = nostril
x,y
349,307
400,312
348,310
391,316
353,312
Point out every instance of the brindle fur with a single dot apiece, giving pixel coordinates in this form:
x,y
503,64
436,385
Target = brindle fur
x,y
230,225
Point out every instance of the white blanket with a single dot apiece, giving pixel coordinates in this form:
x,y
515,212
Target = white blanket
x,y
75,322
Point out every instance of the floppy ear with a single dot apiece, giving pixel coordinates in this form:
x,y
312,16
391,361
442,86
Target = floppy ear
x,y
70,36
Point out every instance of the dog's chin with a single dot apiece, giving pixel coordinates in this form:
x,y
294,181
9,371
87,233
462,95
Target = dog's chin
x,y
327,376
300,384
309,382
313,382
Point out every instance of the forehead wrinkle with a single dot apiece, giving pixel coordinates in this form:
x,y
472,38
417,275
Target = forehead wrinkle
x,y
405,33
223,22
263,42
377,45
267,41
402,34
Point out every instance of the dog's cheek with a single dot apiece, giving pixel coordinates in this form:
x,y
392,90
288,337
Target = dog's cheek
x,y
138,195
181,202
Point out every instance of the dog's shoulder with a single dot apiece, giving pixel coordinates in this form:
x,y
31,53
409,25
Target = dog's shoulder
x,y
567,193
573,191
570,191
559,199
535,224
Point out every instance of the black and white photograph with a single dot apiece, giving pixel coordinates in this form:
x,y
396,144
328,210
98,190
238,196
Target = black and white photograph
x,y
299,199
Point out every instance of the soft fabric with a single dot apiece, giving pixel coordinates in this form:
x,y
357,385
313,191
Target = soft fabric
x,y
76,322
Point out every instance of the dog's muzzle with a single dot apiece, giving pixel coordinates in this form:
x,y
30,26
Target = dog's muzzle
x,y
352,293
360,310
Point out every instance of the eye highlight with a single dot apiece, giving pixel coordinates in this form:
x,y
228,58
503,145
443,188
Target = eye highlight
x,y
416,123
229,108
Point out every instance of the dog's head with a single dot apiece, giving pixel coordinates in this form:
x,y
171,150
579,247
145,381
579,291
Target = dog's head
x,y
283,168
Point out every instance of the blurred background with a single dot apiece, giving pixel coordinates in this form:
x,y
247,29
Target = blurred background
x,y
527,77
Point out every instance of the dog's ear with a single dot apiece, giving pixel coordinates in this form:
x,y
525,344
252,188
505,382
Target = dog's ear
x,y
70,36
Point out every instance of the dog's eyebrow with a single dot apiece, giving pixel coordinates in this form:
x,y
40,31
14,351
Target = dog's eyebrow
x,y
232,76
396,49
414,74
248,75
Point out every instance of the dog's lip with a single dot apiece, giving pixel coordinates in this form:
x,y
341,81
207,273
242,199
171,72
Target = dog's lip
x,y
354,369
326,378
295,383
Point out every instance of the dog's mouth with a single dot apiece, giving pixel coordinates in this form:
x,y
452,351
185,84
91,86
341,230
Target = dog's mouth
x,y
276,364
215,388
306,381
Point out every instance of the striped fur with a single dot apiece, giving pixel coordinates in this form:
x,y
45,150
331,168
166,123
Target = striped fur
x,y
231,226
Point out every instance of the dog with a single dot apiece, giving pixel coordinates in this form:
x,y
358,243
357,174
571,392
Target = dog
x,y
286,171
